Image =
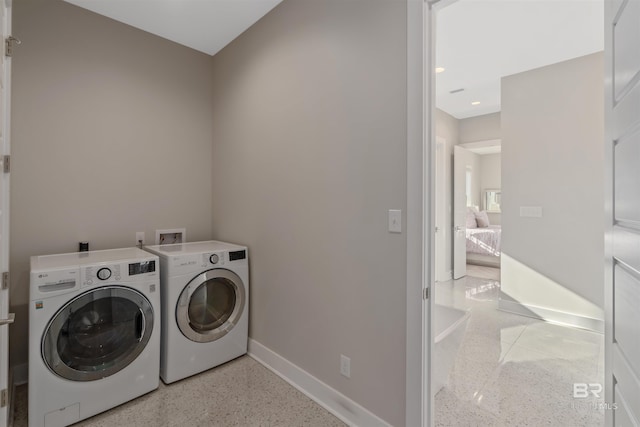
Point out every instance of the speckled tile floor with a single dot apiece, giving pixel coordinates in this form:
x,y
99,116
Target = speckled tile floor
x,y
483,272
510,371
513,370
239,393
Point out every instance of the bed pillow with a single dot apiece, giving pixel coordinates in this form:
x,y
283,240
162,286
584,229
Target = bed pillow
x,y
471,219
482,219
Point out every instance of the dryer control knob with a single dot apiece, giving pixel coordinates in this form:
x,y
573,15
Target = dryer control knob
x,y
104,273
214,259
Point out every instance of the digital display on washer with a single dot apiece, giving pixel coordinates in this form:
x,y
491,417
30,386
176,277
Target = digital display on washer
x,y
142,267
235,255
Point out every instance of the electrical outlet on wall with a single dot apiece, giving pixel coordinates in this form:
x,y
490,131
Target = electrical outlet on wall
x,y
345,366
170,236
139,238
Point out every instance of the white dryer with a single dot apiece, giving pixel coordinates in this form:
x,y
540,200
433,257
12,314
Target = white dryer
x,y
94,333
205,306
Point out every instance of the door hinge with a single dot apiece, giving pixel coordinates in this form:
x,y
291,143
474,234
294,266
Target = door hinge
x,y
8,45
5,280
4,398
6,164
425,294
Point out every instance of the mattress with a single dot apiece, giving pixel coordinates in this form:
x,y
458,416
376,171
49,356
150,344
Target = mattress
x,y
484,241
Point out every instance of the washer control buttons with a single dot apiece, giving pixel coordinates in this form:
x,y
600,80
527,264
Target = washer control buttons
x,y
214,259
104,273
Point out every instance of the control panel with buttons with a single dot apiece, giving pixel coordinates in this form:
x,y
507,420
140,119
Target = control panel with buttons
x,y
99,275
106,274
210,259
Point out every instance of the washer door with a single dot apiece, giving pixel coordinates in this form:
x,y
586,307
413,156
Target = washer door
x,y
210,305
97,333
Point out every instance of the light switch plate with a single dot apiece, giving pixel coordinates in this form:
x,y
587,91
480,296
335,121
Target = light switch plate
x,y
395,220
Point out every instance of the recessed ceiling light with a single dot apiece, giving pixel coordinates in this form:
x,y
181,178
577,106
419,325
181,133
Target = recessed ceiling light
x,y
439,70
475,103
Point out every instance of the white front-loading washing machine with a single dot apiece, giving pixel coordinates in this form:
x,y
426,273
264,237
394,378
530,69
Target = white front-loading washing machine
x,y
94,333
205,306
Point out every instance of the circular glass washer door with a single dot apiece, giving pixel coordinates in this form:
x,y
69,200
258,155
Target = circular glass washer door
x,y
210,305
98,333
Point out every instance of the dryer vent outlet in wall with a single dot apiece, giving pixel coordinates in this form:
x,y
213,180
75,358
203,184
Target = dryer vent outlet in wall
x,y
167,237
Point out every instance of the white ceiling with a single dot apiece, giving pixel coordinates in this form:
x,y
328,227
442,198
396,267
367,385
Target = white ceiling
x,y
480,41
204,25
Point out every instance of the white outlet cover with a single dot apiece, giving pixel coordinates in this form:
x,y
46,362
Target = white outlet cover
x,y
345,366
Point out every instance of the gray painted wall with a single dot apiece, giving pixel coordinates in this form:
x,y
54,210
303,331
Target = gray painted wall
x,y
480,128
111,135
552,156
309,153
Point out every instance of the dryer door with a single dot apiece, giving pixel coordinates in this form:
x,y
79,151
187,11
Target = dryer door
x,y
210,305
97,333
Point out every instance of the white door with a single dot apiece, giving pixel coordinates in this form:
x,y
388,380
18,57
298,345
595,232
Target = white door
x,y
462,167
5,316
441,211
622,337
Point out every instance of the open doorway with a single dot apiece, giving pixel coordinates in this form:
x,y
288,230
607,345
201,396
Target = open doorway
x,y
520,119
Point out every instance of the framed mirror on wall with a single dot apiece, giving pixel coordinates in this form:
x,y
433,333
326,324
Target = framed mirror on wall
x,y
491,200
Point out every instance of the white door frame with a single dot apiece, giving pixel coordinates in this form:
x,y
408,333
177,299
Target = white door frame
x,y
462,165
420,214
5,99
441,211
420,207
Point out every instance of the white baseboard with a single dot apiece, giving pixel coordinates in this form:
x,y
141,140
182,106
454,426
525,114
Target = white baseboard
x,y
553,316
330,399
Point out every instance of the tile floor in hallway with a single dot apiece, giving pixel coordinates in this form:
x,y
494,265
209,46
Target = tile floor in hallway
x,y
239,393
513,370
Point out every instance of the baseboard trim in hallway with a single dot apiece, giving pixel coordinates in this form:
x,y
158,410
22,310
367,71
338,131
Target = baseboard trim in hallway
x,y
329,398
553,316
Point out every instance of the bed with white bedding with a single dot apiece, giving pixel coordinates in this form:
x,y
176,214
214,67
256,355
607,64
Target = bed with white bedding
x,y
485,240
483,245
